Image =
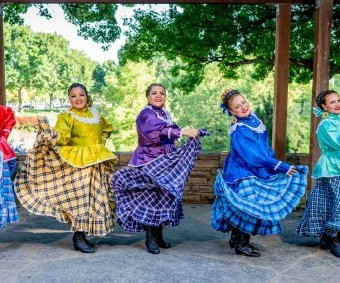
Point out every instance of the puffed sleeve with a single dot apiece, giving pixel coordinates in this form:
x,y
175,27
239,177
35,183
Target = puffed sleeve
x,y
107,129
155,129
7,121
63,126
329,135
255,151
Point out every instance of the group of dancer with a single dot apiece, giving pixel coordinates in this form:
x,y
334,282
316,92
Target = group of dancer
x,y
69,174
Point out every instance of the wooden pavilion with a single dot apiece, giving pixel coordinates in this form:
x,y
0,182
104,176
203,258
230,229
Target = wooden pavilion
x,y
321,61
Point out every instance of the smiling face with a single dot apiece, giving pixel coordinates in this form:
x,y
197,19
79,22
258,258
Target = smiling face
x,y
332,103
239,106
78,98
157,96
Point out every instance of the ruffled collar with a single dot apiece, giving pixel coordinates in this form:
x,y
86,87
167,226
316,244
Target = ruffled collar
x,y
252,122
93,120
162,114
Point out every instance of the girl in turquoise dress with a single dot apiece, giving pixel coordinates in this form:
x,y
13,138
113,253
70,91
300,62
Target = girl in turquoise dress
x,y
322,215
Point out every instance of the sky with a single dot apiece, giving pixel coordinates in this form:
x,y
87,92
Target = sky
x,y
59,25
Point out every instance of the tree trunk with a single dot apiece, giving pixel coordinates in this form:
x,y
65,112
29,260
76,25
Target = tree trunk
x,y
19,98
51,98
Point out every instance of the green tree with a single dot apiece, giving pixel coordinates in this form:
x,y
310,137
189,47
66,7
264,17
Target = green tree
x,y
95,21
125,94
44,65
21,63
54,71
229,35
200,108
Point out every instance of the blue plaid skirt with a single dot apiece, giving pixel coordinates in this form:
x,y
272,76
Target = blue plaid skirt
x,y
151,195
8,208
256,205
322,214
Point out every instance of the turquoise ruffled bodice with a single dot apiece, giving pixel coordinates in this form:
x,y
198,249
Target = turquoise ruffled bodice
x,y
328,135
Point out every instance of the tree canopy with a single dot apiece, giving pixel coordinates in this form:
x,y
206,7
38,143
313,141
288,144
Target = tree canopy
x,y
94,21
43,64
196,35
229,35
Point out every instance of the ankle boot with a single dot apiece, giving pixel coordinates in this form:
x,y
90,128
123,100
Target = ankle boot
x,y
325,241
160,241
335,246
80,243
243,248
151,240
234,237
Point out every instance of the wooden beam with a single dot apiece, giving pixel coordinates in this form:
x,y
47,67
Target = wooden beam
x,y
2,61
321,69
282,46
163,1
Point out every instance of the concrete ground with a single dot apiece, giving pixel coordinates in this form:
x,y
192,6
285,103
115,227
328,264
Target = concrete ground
x,y
39,249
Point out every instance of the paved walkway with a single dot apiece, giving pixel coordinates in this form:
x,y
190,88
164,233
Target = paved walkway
x,y
39,249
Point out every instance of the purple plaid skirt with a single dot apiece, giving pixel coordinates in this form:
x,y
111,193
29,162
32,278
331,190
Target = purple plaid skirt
x,y
151,195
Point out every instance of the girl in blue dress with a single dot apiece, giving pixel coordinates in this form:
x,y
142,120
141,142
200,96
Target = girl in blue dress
x,y
322,215
254,190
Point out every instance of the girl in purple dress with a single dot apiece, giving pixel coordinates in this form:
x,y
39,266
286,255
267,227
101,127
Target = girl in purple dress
x,y
149,192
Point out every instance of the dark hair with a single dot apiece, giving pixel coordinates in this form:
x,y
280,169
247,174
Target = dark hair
x,y
227,95
320,98
74,85
148,89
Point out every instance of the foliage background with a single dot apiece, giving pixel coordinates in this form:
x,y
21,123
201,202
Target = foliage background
x,y
196,51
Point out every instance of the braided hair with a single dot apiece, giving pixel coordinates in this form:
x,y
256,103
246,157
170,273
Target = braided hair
x,y
225,97
320,98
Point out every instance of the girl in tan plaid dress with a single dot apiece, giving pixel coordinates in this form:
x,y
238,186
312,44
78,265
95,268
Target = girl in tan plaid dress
x,y
67,173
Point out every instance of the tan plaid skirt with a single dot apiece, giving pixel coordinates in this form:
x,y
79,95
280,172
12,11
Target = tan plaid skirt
x,y
81,197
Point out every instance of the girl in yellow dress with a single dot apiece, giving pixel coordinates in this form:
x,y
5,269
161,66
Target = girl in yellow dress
x,y
66,175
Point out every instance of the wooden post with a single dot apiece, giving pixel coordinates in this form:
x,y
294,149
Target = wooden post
x,y
321,67
2,60
282,46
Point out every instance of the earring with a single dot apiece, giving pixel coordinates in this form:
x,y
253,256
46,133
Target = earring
x,y
325,114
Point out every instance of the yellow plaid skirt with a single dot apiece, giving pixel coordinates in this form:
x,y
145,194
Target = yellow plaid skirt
x,y
81,197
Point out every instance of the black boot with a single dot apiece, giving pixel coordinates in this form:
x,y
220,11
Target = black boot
x,y
151,240
325,241
80,243
160,241
243,248
234,238
335,247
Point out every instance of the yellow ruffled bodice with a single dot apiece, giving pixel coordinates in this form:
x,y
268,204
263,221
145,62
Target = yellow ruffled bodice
x,y
82,136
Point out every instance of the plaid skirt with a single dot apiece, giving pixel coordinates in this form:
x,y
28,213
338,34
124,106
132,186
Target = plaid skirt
x,y
151,195
81,197
256,205
322,214
8,208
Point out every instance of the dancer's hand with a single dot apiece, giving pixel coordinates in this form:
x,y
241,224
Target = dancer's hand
x,y
292,170
191,133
